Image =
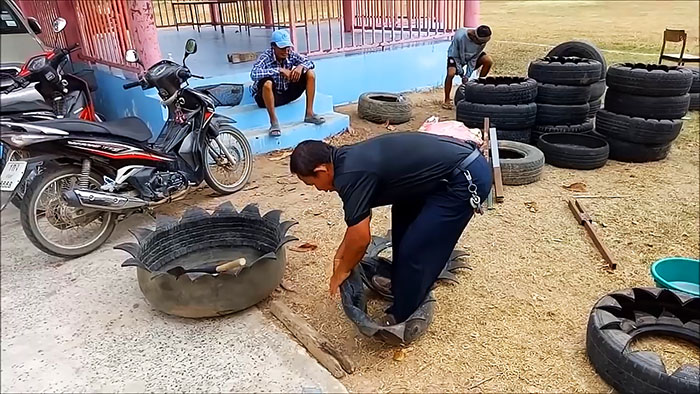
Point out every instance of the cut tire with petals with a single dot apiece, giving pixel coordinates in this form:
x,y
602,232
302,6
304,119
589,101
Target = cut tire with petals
x,y
501,90
657,80
619,317
565,71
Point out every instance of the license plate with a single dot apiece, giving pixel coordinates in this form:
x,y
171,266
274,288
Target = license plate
x,y
12,175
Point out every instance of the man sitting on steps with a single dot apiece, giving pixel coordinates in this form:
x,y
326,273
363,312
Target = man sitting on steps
x,y
280,76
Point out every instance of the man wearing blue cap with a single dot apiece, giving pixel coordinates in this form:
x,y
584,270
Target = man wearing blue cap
x,y
281,75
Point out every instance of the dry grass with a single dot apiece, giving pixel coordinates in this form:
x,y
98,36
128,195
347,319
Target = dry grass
x,y
516,323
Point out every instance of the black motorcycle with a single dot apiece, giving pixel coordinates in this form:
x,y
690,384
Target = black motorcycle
x,y
90,175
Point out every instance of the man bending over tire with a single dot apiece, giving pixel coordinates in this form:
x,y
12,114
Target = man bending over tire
x,y
467,50
433,184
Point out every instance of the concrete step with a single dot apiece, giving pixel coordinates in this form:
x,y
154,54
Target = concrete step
x,y
295,132
250,116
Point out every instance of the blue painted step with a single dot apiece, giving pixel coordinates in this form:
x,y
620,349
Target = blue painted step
x,y
295,132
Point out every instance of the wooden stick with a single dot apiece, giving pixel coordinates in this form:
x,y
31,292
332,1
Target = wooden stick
x,y
496,164
482,381
487,155
587,222
312,340
594,196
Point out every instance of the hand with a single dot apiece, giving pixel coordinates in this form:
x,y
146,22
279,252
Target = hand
x,y
296,73
337,279
286,73
465,79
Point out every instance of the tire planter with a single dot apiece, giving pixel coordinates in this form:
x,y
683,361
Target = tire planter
x,y
584,127
583,49
459,94
562,94
672,107
565,71
506,117
550,114
577,151
631,152
514,135
656,80
380,107
521,164
597,90
619,317
594,107
354,293
501,90
176,262
637,130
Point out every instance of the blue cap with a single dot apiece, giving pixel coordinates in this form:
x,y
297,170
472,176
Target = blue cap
x,y
281,39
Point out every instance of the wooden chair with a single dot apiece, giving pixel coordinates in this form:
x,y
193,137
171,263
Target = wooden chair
x,y
671,35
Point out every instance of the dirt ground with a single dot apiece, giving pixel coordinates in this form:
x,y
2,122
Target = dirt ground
x,y
516,322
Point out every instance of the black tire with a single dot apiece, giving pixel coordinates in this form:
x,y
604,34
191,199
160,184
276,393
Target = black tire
x,y
585,127
30,226
583,49
637,130
550,114
565,71
381,107
694,102
672,107
501,90
617,318
562,94
244,156
459,94
658,80
695,87
505,117
594,107
597,90
577,151
631,152
521,164
514,135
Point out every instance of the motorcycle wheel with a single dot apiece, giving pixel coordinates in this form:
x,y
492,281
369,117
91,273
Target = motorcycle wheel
x,y
228,161
51,225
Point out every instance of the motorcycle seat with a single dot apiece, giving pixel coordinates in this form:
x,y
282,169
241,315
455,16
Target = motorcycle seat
x,y
132,127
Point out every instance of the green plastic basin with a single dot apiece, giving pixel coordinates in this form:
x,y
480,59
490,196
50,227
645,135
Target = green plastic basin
x,y
677,273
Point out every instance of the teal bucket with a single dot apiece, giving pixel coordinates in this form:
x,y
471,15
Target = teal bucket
x,y
677,273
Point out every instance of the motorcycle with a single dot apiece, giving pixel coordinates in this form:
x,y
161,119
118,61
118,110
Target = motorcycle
x,y
91,175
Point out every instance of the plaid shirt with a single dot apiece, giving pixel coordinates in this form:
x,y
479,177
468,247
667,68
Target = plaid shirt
x,y
267,66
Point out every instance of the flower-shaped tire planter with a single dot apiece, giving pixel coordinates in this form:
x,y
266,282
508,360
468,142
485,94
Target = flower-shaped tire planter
x,y
619,317
354,292
176,263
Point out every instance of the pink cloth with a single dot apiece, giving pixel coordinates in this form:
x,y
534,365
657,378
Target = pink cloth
x,y
452,128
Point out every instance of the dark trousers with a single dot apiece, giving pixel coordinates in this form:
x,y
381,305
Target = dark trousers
x,y
293,92
424,234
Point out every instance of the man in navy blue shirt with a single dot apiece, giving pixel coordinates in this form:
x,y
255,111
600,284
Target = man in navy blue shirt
x,y
281,75
433,183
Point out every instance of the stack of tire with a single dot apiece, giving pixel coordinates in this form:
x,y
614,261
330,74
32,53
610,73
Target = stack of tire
x,y
508,102
644,105
563,94
586,50
695,90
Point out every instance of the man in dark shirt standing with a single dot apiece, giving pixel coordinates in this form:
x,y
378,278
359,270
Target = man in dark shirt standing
x,y
433,184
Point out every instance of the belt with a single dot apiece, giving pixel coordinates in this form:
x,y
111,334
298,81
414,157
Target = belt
x,y
462,165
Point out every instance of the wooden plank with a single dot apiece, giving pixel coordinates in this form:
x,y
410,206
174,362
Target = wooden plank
x,y
312,340
496,164
585,219
487,155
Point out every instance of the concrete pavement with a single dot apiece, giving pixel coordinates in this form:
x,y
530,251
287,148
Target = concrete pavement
x,y
83,326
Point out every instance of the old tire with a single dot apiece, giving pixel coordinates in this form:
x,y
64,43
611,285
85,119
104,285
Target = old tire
x,y
514,135
617,318
658,80
571,150
584,127
631,152
505,117
583,49
551,114
695,86
597,90
565,71
380,107
562,94
694,102
459,94
521,164
594,107
672,107
501,90
637,130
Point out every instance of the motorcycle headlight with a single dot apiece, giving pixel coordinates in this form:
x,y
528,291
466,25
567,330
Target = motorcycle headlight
x,y
37,63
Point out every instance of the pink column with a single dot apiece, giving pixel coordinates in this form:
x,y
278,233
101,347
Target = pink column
x,y
348,15
471,13
144,34
292,24
214,11
267,12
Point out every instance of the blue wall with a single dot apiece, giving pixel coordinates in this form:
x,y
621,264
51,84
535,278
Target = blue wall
x,y
344,77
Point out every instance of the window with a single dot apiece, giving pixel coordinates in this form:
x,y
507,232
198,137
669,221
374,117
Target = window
x,y
10,22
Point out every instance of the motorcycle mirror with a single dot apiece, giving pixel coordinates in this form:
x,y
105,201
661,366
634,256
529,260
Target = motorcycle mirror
x,y
190,47
59,24
131,56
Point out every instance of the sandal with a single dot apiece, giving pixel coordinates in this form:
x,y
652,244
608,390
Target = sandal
x,y
275,130
314,119
448,106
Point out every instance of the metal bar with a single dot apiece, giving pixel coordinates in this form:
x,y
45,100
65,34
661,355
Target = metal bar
x,y
102,20
330,28
318,26
374,20
117,6
380,45
496,164
342,24
292,25
585,219
306,26
92,32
